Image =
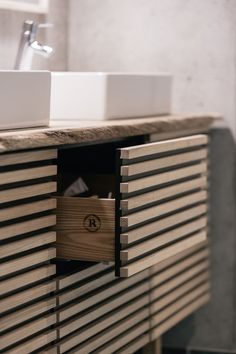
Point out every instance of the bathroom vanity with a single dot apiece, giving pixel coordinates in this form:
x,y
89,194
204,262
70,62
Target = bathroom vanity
x,y
131,266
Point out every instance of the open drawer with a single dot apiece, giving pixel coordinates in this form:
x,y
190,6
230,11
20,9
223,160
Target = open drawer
x,y
159,210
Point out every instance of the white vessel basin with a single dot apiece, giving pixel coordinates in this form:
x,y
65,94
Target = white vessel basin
x,y
24,99
99,96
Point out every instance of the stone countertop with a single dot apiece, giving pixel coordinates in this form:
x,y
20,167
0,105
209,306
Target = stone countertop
x,y
71,133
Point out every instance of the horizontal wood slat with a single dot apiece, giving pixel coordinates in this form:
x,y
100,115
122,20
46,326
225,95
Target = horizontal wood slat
x,y
162,239
26,278
27,209
17,264
163,193
162,209
27,174
132,347
162,178
134,152
26,313
178,316
35,343
22,297
161,255
26,244
163,162
27,157
26,330
13,194
157,226
27,226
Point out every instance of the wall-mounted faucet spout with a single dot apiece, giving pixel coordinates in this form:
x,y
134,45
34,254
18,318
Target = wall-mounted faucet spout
x,y
29,45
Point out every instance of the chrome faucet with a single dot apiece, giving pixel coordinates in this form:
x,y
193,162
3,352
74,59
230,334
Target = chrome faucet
x,y
29,45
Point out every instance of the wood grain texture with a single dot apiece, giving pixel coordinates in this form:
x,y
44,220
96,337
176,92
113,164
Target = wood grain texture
x,y
154,227
163,162
136,344
77,238
161,255
27,174
105,323
163,193
35,343
27,209
137,151
17,264
178,316
109,290
27,278
27,157
162,240
162,178
26,244
26,313
22,297
26,330
9,195
27,226
162,209
71,133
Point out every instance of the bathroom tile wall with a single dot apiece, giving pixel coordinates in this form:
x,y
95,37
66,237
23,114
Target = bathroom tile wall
x,y
10,30
194,40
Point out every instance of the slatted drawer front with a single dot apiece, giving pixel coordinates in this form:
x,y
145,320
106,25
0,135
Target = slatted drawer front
x,y
27,215
161,206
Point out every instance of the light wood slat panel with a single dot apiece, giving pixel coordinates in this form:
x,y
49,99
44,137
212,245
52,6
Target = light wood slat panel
x,y
27,226
26,313
174,270
186,291
163,162
29,260
29,156
164,177
65,281
90,345
161,240
163,146
177,317
51,350
102,309
85,288
26,244
9,195
163,193
157,226
105,336
159,256
27,330
34,343
27,209
121,341
136,344
26,278
179,287
22,297
108,291
201,247
27,174
179,278
162,209
176,306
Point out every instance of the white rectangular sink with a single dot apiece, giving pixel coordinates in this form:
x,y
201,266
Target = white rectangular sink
x,y
102,96
24,99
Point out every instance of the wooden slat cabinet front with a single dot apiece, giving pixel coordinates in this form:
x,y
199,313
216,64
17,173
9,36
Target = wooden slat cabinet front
x,y
159,210
27,219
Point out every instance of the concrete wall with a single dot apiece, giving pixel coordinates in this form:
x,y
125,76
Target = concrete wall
x,y
10,30
193,39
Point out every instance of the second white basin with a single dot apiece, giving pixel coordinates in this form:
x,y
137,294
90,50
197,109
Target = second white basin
x,y
101,96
